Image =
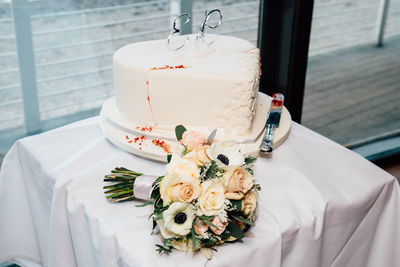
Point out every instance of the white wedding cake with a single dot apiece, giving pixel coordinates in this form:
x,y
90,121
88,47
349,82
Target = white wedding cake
x,y
200,86
206,85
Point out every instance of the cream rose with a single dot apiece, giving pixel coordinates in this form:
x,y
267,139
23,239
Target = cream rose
x,y
192,137
183,167
220,226
211,200
179,188
198,155
238,181
184,245
249,203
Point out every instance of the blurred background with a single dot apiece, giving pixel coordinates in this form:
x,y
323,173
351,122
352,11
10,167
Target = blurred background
x,y
56,62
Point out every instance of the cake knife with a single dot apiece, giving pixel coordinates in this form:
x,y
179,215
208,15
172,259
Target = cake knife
x,y
273,120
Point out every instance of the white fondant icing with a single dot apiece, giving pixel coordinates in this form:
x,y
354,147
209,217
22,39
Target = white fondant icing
x,y
215,87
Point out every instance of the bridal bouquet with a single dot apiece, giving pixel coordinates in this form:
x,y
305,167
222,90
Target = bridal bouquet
x,y
207,197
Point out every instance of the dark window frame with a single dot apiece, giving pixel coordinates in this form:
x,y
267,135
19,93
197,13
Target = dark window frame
x,y
284,57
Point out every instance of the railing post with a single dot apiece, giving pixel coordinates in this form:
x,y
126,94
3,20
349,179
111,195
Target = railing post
x,y
179,7
381,21
26,61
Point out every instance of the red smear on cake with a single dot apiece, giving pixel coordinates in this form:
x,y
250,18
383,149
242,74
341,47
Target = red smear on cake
x,y
166,67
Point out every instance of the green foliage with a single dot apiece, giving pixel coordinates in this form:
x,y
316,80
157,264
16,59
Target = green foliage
x,y
234,230
145,204
210,170
169,157
194,238
207,220
166,247
209,242
242,219
184,150
236,205
250,171
249,160
179,130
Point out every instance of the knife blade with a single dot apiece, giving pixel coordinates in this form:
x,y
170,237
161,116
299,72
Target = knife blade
x,y
274,117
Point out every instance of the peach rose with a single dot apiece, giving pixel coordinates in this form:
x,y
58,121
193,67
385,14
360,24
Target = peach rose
x,y
238,181
211,199
193,137
219,224
179,188
200,227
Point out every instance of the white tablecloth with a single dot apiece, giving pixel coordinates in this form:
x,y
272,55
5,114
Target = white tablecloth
x,y
320,205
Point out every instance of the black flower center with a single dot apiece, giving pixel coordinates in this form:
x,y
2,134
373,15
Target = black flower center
x,y
224,159
180,218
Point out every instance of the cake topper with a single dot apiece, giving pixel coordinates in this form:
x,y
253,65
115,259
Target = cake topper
x,y
202,32
176,30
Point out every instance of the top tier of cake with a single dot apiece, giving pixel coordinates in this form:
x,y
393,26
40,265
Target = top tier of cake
x,y
202,87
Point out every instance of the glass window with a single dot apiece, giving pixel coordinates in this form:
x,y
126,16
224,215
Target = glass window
x,y
61,69
352,91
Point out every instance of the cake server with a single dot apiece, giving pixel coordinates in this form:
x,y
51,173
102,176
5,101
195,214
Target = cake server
x,y
273,120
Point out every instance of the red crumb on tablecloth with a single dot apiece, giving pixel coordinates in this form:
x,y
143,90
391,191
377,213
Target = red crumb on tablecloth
x,y
127,137
158,142
130,141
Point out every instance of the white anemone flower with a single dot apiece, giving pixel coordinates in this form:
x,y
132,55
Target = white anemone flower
x,y
226,154
178,219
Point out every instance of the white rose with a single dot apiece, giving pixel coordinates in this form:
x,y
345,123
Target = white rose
x,y
183,167
179,188
212,198
198,155
178,219
226,154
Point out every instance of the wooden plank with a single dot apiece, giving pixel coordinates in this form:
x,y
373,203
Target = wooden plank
x,y
354,94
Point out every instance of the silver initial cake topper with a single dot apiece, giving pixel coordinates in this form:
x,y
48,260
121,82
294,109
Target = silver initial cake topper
x,y
176,30
201,35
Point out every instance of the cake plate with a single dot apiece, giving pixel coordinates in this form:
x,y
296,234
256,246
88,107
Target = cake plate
x,y
150,142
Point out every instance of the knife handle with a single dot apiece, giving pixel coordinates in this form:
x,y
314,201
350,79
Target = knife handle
x,y
266,145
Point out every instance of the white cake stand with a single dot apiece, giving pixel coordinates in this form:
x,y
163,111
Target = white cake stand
x,y
140,141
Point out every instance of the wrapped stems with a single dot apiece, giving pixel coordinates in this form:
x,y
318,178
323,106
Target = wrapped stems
x,y
121,184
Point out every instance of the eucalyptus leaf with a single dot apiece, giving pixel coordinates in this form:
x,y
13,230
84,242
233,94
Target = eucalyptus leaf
x,y
236,204
235,230
169,157
250,160
242,219
145,204
184,150
211,136
179,130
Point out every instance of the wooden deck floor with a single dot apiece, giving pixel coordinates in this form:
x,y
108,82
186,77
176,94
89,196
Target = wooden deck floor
x,y
354,94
